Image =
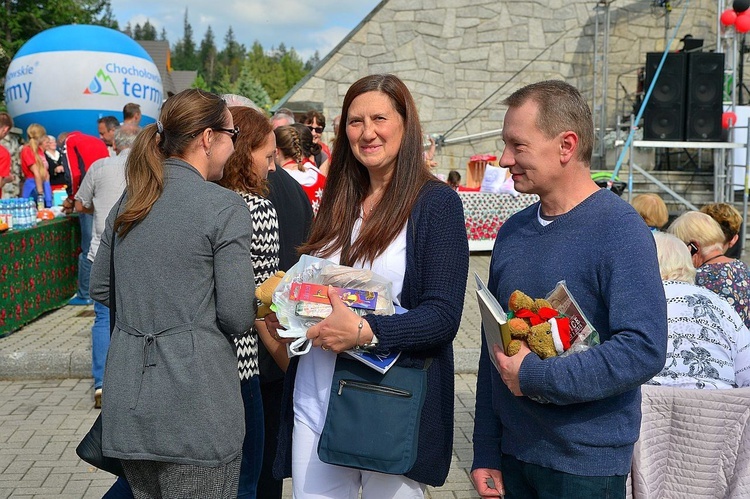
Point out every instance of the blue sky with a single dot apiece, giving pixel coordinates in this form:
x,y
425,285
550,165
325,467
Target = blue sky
x,y
303,24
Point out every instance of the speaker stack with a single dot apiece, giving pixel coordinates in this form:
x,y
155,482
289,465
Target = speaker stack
x,y
686,103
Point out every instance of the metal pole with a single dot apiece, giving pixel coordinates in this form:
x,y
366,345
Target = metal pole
x,y
745,193
605,84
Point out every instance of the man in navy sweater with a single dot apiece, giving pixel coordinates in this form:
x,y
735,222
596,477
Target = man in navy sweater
x,y
575,438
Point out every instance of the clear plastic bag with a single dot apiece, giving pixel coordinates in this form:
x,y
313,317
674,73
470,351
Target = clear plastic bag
x,y
297,316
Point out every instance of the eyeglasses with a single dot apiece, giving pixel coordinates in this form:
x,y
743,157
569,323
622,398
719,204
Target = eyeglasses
x,y
693,248
234,132
316,129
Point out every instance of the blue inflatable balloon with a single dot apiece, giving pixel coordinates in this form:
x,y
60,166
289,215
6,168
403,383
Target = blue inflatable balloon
x,y
66,78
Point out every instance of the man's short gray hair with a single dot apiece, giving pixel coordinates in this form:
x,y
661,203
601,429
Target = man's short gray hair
x,y
241,101
125,136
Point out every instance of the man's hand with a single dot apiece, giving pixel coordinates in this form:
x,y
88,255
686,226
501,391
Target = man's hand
x,y
67,206
489,483
509,367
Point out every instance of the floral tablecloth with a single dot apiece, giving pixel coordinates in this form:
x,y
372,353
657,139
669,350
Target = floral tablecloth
x,y
38,270
485,212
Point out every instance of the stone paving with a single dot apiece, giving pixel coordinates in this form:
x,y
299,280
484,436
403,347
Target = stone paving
x,y
46,405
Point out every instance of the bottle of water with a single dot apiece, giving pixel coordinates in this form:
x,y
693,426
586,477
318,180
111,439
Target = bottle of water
x,y
15,214
32,214
23,215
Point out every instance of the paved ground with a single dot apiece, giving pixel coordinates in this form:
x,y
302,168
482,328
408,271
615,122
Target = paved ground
x,y
46,404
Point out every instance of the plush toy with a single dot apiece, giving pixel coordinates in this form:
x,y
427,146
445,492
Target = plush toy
x,y
535,321
264,293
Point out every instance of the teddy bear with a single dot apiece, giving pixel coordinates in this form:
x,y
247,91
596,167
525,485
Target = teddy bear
x,y
535,321
264,293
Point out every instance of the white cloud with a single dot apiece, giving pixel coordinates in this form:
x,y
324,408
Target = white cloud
x,y
300,24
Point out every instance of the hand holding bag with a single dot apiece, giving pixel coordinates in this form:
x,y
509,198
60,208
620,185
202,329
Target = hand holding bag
x,y
373,419
90,448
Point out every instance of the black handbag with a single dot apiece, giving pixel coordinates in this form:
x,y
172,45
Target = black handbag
x,y
373,419
90,448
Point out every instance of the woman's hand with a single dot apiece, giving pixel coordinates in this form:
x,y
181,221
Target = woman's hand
x,y
273,325
338,331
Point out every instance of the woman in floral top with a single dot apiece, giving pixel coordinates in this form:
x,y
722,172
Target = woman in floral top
x,y
727,277
709,346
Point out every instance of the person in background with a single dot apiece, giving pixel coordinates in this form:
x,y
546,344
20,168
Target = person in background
x,y
727,277
730,221
310,150
55,168
6,175
294,219
102,186
651,208
172,409
131,114
245,173
454,179
384,212
79,153
316,123
107,126
291,157
34,167
546,428
282,117
709,344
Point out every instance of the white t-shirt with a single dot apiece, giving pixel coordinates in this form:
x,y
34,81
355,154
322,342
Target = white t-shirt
x,y
307,177
312,385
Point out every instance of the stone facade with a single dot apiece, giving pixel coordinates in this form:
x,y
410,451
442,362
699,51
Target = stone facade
x,y
460,58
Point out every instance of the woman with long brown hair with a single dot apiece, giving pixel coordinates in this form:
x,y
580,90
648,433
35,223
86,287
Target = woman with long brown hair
x,y
246,173
384,211
183,288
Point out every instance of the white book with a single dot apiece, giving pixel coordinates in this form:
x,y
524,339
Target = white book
x,y
494,320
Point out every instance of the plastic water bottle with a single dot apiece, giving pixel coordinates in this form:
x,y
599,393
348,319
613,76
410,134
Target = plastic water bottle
x,y
40,202
32,213
23,214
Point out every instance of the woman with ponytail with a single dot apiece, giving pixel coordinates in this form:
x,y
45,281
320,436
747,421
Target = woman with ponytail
x,y
172,410
34,166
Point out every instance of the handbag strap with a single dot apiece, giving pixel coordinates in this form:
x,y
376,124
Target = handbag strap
x,y
112,300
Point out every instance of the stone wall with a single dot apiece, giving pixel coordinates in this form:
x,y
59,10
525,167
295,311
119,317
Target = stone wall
x,y
460,58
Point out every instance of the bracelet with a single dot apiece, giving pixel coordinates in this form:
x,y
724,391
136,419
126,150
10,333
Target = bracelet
x,y
359,331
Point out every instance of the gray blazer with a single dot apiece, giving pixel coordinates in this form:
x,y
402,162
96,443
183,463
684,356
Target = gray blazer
x,y
184,286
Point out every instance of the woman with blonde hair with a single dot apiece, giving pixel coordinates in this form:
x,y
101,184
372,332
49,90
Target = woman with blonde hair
x,y
651,208
709,345
727,277
34,167
172,409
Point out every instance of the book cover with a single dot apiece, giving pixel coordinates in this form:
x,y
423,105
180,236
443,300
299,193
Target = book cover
x,y
318,293
380,362
494,320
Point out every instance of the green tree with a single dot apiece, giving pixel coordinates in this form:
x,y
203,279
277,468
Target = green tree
x,y
312,62
208,57
22,19
250,87
145,32
233,55
183,53
268,71
200,83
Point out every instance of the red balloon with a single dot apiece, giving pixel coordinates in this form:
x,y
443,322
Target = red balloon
x,y
728,17
742,23
728,119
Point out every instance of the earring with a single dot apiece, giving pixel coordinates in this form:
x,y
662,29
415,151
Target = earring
x,y
208,153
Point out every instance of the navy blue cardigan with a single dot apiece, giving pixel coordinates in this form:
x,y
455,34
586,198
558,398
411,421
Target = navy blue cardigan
x,y
437,265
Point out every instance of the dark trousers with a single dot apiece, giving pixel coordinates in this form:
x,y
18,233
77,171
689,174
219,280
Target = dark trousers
x,y
271,391
530,481
252,447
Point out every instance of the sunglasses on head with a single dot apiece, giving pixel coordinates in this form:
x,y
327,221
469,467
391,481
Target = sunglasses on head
x,y
316,129
693,248
234,132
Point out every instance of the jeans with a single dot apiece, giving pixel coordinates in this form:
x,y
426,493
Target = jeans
x,y
531,481
84,264
99,343
252,447
29,191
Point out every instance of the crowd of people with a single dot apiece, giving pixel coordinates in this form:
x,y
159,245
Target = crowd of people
x,y
190,214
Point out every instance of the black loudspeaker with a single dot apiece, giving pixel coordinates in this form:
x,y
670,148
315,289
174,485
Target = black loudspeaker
x,y
705,86
664,116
